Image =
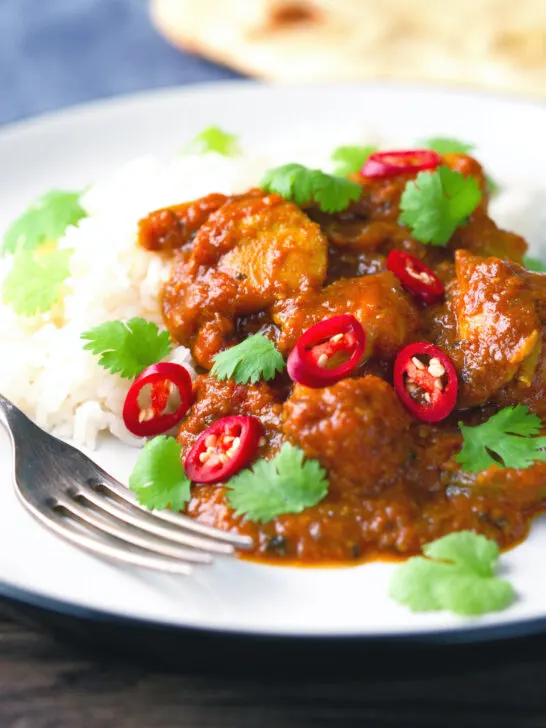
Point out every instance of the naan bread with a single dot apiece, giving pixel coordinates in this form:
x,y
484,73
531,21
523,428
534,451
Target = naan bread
x,y
494,43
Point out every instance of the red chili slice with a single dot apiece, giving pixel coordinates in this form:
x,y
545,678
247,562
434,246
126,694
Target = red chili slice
x,y
415,276
426,381
223,449
327,352
391,164
153,416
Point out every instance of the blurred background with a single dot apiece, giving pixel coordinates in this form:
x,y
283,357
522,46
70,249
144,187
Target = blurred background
x,y
55,53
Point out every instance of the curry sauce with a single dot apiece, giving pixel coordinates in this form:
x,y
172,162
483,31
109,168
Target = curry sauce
x,y
259,263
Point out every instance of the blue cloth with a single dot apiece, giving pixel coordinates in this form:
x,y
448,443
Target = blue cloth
x,y
55,53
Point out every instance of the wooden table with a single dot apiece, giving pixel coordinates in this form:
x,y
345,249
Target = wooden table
x,y
44,684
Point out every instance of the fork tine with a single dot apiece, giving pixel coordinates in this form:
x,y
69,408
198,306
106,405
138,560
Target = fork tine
x,y
176,519
106,546
89,517
148,523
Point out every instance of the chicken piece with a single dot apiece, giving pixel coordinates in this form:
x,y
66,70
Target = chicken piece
x,y
481,236
388,314
250,253
215,399
172,227
356,428
499,329
529,387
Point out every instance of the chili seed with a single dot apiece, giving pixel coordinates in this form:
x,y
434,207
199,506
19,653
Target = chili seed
x,y
145,414
436,368
322,360
418,363
420,276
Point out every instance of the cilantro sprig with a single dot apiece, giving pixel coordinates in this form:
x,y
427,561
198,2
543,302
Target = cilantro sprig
x,y
158,478
295,182
253,359
447,145
350,159
510,435
435,203
212,139
286,484
534,264
35,280
456,574
44,221
127,347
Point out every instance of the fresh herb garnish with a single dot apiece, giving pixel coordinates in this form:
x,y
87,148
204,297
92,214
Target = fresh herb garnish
x,y
212,139
286,484
158,478
303,185
456,574
127,347
534,264
34,282
445,145
351,159
253,359
44,221
435,203
510,435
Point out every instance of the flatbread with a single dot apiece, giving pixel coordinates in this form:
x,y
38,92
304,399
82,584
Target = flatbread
x,y
499,44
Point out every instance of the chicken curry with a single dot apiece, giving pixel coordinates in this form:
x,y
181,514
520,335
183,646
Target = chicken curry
x,y
393,345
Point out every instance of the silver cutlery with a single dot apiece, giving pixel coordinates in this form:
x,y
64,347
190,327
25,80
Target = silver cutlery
x,y
76,499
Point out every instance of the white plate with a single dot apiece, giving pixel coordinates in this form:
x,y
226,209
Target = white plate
x,y
74,147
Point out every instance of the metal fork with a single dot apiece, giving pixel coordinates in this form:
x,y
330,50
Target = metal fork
x,y
79,501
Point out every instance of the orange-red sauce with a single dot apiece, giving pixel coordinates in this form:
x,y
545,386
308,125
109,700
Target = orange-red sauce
x,y
259,263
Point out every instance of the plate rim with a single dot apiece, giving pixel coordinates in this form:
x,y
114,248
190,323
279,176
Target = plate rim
x,y
494,633
30,123
21,597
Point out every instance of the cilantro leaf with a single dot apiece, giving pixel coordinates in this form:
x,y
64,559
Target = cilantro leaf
x,y
127,347
301,184
457,574
286,484
212,139
465,549
435,203
158,478
252,359
510,435
445,145
44,221
534,264
351,159
34,282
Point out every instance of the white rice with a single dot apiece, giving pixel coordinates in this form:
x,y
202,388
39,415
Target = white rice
x,y
43,367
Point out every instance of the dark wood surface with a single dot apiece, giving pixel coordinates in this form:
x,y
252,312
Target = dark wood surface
x,y
45,684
